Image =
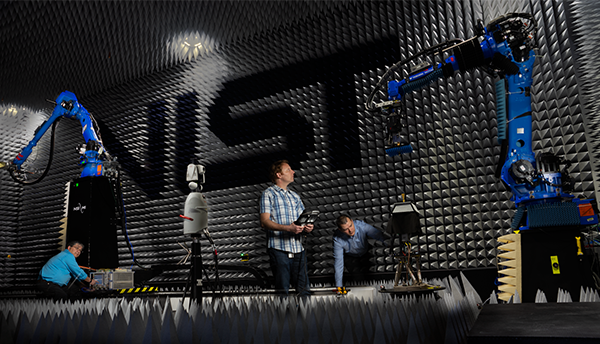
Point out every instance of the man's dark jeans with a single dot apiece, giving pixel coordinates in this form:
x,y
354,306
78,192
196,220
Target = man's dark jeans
x,y
286,270
57,292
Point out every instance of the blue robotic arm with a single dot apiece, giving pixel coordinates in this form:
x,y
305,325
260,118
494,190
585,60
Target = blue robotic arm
x,y
94,155
505,48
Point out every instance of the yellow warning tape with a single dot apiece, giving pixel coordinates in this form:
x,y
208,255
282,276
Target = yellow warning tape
x,y
137,290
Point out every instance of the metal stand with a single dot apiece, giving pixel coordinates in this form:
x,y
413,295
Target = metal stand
x,y
405,259
196,269
417,282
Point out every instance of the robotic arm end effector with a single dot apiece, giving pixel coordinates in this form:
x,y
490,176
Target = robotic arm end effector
x,y
400,149
394,143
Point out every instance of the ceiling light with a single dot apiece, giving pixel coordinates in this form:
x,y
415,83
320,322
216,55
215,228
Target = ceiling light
x,y
189,45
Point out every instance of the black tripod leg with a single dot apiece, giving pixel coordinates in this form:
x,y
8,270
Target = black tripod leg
x,y
196,270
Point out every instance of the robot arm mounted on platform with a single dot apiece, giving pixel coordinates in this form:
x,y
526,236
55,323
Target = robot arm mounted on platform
x,y
505,48
93,155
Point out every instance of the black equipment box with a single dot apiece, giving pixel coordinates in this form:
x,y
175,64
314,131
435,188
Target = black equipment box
x,y
92,220
550,260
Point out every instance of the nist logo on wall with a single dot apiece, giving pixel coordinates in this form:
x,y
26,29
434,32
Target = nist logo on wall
x,y
254,120
79,207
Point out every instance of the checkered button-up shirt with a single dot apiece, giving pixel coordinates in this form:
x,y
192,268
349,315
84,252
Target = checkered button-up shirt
x,y
284,207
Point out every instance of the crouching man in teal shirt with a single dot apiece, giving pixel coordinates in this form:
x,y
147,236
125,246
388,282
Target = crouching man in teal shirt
x,y
54,277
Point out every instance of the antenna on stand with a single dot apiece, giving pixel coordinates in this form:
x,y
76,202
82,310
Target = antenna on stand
x,y
195,223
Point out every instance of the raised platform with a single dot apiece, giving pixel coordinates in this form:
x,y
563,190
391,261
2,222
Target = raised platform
x,y
549,323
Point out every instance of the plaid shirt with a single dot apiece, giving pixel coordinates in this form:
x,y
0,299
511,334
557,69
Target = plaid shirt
x,y
284,206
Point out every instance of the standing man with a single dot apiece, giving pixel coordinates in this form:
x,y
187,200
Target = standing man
x,y
279,208
55,275
351,239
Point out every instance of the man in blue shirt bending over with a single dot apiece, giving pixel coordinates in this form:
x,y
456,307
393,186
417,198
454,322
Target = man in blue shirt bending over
x,y
54,277
351,239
